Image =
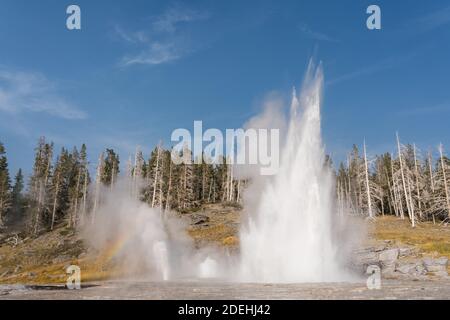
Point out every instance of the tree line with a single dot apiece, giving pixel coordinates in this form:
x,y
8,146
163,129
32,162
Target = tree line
x,y
408,184
60,190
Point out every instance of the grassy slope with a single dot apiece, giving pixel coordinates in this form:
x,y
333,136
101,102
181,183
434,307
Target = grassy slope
x,y
45,259
221,227
429,237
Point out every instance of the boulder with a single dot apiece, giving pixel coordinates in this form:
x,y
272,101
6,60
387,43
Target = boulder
x,y
409,268
414,268
199,219
366,257
388,271
436,265
420,269
388,257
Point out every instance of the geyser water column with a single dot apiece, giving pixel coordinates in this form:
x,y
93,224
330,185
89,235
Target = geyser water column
x,y
288,237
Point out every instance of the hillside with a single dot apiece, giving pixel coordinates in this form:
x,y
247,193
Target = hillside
x,y
44,259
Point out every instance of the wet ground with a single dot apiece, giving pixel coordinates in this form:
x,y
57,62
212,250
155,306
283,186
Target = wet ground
x,y
390,289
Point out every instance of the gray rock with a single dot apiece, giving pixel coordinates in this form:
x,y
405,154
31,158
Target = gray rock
x,y
406,252
436,265
380,248
367,258
420,269
388,257
199,219
388,271
409,268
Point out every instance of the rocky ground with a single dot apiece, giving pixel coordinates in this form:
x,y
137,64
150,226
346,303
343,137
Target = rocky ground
x,y
401,262
413,264
191,290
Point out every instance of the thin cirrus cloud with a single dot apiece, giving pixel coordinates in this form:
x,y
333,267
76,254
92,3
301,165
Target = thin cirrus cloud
x,y
315,35
422,111
434,20
364,71
163,41
22,92
375,67
169,20
155,53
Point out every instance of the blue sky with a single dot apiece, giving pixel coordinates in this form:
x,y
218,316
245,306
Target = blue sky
x,y
139,69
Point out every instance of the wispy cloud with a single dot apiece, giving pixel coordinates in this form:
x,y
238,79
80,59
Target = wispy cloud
x,y
156,53
315,35
433,20
368,70
32,92
421,111
163,41
131,37
169,20
373,68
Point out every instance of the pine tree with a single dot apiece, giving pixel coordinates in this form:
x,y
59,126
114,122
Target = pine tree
x,y
61,185
39,186
17,199
5,186
111,168
84,183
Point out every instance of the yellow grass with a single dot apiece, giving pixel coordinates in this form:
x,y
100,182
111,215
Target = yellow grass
x,y
431,238
221,234
230,241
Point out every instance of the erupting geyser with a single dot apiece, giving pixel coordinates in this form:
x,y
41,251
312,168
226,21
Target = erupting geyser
x,y
289,234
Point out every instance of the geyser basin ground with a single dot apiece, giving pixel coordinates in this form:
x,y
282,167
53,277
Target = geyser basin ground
x,y
217,290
